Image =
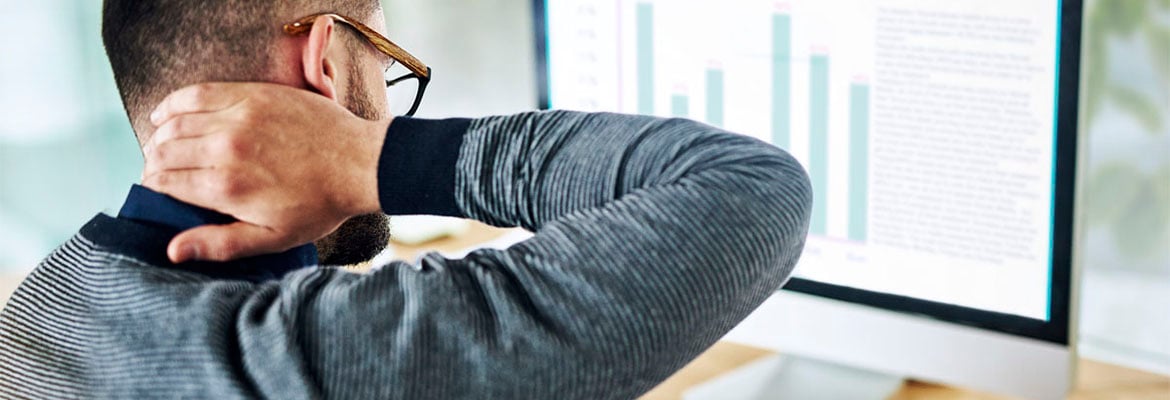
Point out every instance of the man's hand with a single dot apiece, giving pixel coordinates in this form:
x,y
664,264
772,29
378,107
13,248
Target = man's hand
x,y
289,164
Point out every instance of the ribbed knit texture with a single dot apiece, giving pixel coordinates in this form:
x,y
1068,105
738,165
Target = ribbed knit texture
x,y
654,237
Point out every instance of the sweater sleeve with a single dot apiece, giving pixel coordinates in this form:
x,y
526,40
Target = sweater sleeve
x,y
653,238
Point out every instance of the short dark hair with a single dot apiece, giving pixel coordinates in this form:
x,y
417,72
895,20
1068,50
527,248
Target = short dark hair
x,y
158,46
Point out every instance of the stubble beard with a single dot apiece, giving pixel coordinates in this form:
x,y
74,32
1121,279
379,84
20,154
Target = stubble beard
x,y
363,237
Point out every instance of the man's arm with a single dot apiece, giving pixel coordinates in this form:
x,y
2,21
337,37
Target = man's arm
x,y
653,238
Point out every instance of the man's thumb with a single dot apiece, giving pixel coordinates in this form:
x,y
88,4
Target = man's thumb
x,y
223,243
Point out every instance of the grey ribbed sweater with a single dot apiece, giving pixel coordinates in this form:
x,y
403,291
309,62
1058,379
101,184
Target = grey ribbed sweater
x,y
654,237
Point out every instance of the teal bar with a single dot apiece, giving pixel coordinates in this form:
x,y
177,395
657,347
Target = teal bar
x,y
781,80
715,97
818,158
645,27
680,106
859,162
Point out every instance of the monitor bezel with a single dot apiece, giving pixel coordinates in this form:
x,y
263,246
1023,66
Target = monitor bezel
x,y
1056,329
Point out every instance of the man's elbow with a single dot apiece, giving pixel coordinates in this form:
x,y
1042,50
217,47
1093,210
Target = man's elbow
x,y
783,191
785,185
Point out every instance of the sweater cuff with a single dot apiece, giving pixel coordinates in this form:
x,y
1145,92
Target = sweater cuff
x,y
416,171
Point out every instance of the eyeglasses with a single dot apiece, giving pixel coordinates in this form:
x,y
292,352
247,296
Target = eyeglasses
x,y
418,73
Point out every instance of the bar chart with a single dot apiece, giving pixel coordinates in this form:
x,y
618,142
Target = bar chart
x,y
645,58
781,78
833,82
715,96
859,161
785,88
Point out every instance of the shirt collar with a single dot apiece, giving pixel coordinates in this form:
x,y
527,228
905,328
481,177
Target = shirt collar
x,y
158,210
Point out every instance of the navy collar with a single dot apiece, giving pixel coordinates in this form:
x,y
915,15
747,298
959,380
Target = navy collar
x,y
154,208
158,213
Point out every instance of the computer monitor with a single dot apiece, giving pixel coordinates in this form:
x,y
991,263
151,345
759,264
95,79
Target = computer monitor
x,y
940,138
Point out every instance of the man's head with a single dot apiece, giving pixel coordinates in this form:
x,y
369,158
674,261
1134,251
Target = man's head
x,y
156,47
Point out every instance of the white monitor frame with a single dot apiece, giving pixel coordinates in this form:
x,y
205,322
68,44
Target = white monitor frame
x,y
909,346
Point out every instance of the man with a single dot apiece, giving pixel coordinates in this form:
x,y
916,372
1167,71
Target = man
x,y
653,237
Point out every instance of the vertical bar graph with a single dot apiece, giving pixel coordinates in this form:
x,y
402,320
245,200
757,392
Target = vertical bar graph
x,y
802,83
781,80
715,97
680,106
858,161
819,140
804,91
645,48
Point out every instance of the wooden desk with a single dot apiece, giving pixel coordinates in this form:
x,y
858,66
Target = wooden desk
x,y
1096,381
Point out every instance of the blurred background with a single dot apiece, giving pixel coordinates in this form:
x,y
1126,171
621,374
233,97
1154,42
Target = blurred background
x,y
67,151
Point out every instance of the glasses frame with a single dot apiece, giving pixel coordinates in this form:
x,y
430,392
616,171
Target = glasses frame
x,y
418,70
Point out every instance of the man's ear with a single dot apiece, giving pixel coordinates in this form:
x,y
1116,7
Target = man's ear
x,y
320,70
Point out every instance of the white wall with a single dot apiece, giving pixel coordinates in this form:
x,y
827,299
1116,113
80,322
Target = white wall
x,y
481,52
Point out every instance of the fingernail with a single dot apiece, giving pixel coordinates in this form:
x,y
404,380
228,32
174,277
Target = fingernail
x,y
155,116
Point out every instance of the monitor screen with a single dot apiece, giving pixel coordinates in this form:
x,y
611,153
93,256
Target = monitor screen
x,y
928,128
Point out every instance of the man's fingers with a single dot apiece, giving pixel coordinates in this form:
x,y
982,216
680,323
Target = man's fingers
x,y
225,243
202,187
185,126
180,154
205,98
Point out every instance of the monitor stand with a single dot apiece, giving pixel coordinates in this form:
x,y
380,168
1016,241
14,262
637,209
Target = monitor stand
x,y
791,377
